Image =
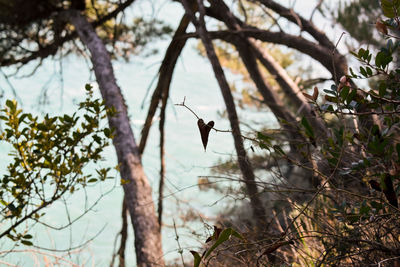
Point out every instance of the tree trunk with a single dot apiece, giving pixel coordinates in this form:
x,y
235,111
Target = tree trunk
x,y
135,184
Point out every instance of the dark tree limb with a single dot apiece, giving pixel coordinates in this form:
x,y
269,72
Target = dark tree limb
x,y
269,95
315,51
285,118
321,53
248,52
291,90
326,54
124,237
166,70
244,163
162,156
124,234
304,24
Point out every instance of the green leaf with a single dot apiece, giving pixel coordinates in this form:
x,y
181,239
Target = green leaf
x,y
264,146
308,129
382,89
23,116
344,92
382,59
278,150
236,234
330,92
264,138
361,52
197,258
11,104
363,72
369,71
107,132
97,139
68,118
351,96
390,8
26,242
352,73
223,236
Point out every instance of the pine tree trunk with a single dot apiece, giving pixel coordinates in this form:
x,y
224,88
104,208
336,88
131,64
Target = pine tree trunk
x,y
135,184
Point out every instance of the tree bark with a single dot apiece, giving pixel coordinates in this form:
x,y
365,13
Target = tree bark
x,y
291,90
135,184
269,95
244,163
162,156
304,24
336,63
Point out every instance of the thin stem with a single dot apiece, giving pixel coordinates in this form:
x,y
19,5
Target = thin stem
x,y
183,105
333,58
215,129
180,250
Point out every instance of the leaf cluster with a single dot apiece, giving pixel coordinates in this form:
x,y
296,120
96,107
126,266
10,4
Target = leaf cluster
x,y
49,156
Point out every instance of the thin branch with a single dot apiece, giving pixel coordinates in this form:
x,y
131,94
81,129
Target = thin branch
x,y
164,100
335,78
180,250
11,87
315,9
304,24
165,77
124,235
184,105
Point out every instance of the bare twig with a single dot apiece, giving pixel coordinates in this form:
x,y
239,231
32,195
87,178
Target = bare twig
x,y
315,9
180,250
162,155
335,78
